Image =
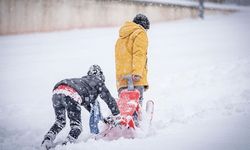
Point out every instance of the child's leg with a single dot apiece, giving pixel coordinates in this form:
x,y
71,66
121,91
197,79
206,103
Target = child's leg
x,y
137,115
60,109
141,90
74,114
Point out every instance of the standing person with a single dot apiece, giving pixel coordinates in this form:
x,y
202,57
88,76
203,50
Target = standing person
x,y
131,54
69,95
201,9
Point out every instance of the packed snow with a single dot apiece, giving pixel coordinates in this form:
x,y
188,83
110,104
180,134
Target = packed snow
x,y
199,75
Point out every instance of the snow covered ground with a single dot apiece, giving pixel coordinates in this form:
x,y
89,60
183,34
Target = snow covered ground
x,y
199,74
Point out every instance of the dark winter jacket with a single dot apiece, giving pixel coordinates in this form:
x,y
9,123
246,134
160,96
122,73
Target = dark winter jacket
x,y
89,87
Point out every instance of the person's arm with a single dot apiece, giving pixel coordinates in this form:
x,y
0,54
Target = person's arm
x,y
109,100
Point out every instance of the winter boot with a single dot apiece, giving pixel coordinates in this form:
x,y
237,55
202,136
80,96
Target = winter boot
x,y
46,144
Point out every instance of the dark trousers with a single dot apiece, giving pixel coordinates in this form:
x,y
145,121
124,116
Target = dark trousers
x,y
61,105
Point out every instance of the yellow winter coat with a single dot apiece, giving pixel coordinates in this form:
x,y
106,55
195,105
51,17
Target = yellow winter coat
x,y
131,54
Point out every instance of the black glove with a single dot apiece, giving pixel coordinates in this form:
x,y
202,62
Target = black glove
x,y
113,120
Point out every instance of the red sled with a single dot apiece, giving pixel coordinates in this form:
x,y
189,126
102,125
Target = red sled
x,y
128,104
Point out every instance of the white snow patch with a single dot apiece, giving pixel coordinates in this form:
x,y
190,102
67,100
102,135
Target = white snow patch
x,y
199,78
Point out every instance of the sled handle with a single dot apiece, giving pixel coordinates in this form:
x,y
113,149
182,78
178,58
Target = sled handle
x,y
130,82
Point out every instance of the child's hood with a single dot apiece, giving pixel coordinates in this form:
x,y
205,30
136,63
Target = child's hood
x,y
128,28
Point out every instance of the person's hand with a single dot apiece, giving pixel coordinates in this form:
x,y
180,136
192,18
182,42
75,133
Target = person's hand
x,y
113,120
117,119
136,78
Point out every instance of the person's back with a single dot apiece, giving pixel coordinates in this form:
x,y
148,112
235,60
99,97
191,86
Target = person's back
x,y
131,52
131,57
88,87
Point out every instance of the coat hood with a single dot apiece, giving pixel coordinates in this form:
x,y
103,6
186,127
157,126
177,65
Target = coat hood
x,y
128,28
